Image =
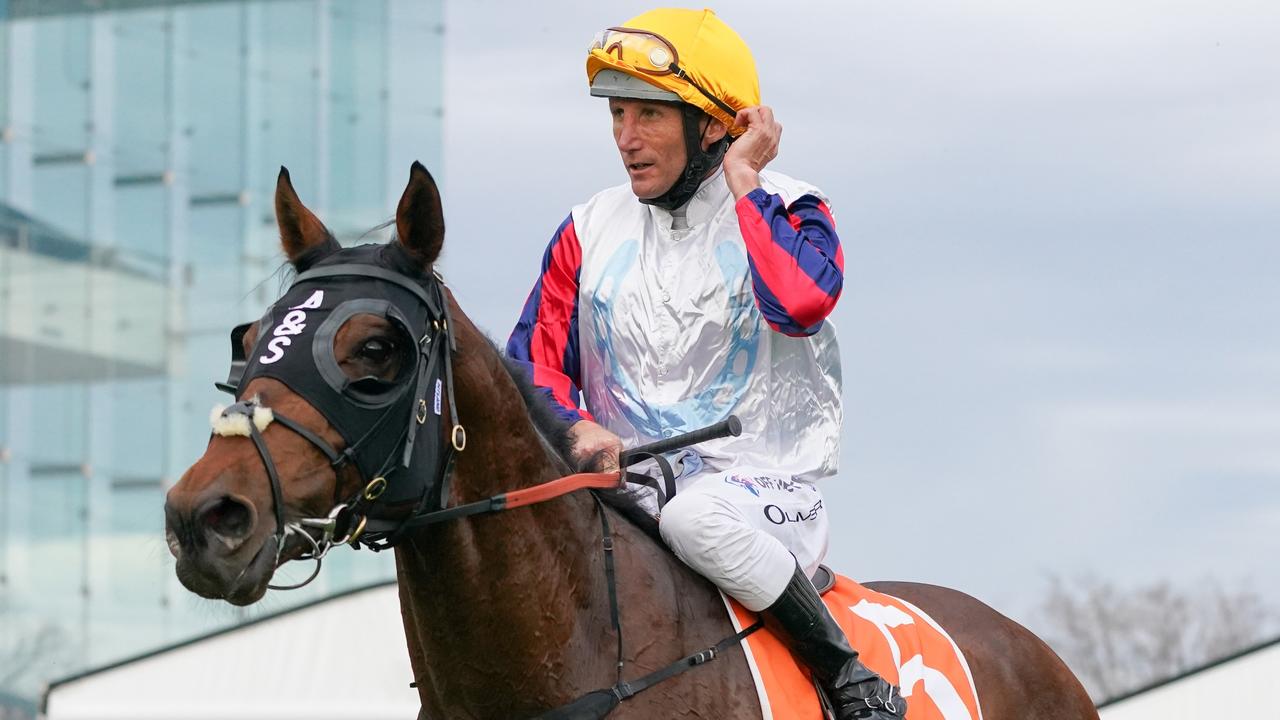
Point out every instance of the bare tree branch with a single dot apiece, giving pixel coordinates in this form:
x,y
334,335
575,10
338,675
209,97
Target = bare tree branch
x,y
1117,640
28,651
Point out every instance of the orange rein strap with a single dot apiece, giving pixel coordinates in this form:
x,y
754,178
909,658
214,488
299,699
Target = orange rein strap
x,y
563,486
730,426
520,498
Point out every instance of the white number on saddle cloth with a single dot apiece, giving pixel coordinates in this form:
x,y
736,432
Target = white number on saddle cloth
x,y
936,685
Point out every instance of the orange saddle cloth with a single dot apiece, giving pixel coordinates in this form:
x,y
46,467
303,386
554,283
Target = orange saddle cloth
x,y
893,637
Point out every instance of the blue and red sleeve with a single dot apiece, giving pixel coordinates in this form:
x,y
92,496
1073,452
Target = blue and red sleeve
x,y
545,339
797,266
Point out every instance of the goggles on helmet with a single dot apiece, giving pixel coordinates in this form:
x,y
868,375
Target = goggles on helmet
x,y
650,54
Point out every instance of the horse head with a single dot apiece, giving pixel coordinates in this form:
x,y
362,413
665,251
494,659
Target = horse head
x,y
355,352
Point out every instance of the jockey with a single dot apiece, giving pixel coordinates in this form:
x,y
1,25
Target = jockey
x,y
697,290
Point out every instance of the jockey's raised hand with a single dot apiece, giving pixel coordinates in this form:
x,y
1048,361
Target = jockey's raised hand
x,y
594,448
754,149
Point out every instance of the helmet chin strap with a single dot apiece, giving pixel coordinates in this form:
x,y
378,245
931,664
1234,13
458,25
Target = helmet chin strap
x,y
699,165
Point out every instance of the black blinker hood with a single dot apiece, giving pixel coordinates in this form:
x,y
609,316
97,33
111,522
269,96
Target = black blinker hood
x,y
295,346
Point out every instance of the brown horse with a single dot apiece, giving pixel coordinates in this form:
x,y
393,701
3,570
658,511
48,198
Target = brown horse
x,y
507,615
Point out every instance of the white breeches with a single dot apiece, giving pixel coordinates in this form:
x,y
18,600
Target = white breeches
x,y
745,530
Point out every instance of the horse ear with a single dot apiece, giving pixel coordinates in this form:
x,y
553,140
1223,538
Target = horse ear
x,y
419,218
301,232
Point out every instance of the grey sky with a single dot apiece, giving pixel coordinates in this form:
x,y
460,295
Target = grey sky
x,y
1062,236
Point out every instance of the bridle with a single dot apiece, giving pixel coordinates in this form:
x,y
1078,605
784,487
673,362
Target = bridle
x,y
350,520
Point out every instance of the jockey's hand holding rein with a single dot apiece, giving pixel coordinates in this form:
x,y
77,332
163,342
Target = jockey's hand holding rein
x,y
754,149
595,449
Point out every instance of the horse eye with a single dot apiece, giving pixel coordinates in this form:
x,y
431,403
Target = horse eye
x,y
376,350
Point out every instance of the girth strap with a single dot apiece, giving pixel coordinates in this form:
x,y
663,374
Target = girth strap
x,y
599,703
625,690
610,578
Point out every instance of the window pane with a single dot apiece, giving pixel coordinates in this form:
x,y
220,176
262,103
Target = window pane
x,y
141,93
289,102
6,508
215,109
208,357
57,503
58,197
139,431
5,117
135,549
59,429
140,217
216,278
61,85
56,568
357,113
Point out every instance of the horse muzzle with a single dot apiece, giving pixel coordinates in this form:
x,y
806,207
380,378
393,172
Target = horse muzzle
x,y
221,553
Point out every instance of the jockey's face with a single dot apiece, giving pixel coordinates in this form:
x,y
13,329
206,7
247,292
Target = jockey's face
x,y
650,138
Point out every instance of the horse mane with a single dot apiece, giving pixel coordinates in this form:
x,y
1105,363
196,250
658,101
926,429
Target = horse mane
x,y
555,432
553,429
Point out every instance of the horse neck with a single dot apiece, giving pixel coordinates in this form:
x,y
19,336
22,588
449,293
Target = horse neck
x,y
504,450
508,587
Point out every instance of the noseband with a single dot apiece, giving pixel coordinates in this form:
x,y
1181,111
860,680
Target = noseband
x,y
423,470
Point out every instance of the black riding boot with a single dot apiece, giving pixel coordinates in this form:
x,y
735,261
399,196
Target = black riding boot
x,y
803,623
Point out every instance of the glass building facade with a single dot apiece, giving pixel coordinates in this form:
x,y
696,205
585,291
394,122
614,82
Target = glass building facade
x,y
139,148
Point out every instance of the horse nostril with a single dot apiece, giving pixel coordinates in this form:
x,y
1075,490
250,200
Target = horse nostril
x,y
229,519
177,531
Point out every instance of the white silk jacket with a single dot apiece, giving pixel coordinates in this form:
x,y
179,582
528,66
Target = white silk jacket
x,y
671,322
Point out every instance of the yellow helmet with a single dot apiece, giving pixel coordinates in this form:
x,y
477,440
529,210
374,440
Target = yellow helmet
x,y
686,55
